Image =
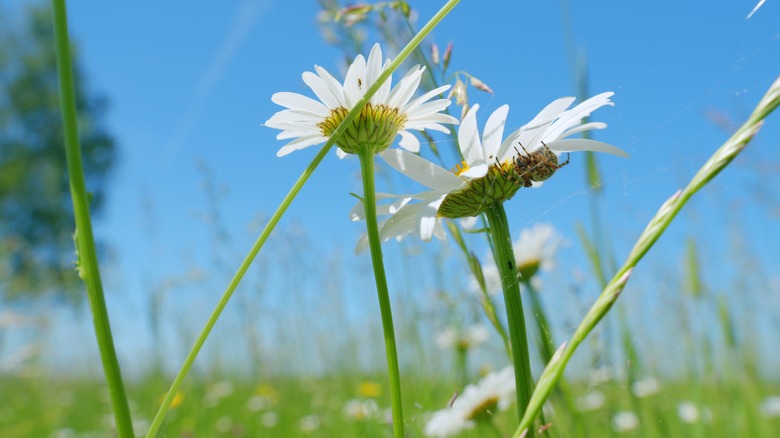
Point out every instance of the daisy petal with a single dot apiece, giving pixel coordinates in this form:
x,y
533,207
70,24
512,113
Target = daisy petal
x,y
333,84
581,144
584,127
321,89
468,138
409,141
494,131
405,88
413,105
300,143
355,81
422,170
297,101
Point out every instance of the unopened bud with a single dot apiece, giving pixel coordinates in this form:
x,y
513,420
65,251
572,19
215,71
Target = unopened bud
x,y
459,93
354,14
464,111
479,85
447,55
435,54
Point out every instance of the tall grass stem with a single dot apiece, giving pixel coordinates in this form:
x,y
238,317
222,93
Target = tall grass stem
x,y
87,267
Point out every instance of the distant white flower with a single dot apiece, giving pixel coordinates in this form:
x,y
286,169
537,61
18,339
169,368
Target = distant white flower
x,y
224,424
257,403
216,392
646,387
600,375
491,276
625,421
688,412
269,419
389,113
361,409
140,426
309,423
492,170
591,401
535,248
770,407
493,393
451,336
66,432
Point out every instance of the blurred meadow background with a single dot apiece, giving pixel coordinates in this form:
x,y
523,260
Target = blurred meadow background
x,y
184,176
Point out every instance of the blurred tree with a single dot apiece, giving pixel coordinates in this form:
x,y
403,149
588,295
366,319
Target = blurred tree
x,y
36,221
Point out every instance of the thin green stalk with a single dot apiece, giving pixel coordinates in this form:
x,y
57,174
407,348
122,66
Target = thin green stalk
x,y
505,260
269,227
375,245
546,345
462,364
476,269
655,228
85,242
547,349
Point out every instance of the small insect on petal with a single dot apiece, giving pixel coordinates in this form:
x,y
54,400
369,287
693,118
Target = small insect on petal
x,y
452,399
536,166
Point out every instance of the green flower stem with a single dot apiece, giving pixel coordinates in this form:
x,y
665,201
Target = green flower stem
x,y
85,243
655,228
505,260
162,411
462,364
375,245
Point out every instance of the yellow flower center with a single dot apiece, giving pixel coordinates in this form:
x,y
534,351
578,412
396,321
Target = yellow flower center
x,y
484,410
499,185
529,268
375,128
460,168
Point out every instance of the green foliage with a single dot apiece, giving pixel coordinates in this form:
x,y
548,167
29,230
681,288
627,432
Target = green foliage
x,y
36,219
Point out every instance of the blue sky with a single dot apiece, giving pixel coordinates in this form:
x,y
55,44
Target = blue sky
x,y
191,82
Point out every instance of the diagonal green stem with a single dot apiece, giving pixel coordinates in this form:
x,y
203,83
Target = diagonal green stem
x,y
655,228
375,244
518,337
85,242
162,411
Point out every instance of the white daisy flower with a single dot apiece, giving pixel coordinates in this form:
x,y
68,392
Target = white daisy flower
x,y
591,401
390,112
646,387
535,248
770,407
361,409
462,338
492,170
491,276
495,392
688,412
309,423
625,421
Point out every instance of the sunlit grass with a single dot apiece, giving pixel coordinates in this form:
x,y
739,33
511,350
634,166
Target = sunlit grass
x,y
229,406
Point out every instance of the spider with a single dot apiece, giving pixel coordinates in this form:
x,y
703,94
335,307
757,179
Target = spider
x,y
538,165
